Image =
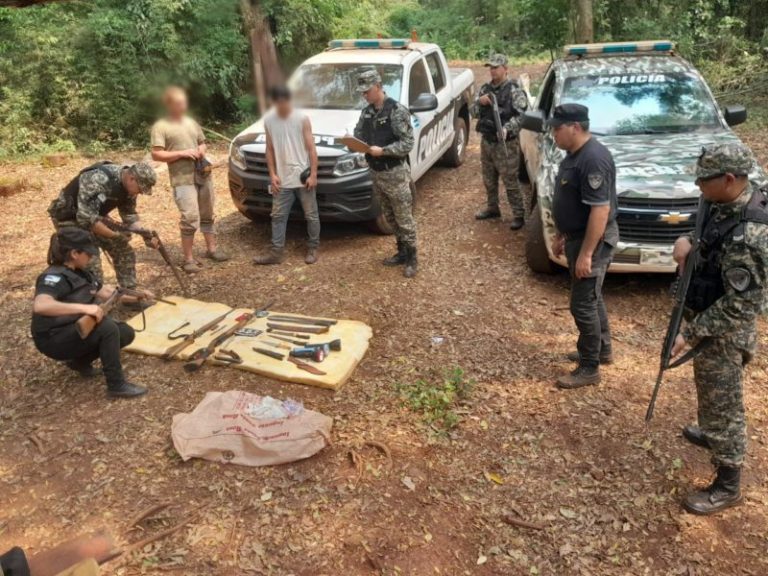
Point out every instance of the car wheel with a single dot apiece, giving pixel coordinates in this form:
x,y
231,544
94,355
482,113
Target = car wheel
x,y
536,253
456,154
380,225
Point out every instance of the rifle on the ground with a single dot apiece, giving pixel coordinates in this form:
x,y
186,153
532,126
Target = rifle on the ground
x,y
86,324
501,135
682,283
148,236
200,356
188,339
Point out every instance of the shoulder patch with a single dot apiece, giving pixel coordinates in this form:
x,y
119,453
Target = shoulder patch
x,y
595,180
739,278
51,279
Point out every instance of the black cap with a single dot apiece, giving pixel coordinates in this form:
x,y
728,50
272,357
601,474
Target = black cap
x,y
569,114
71,238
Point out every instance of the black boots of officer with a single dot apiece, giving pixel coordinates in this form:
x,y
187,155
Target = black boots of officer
x,y
398,258
724,492
406,254
695,436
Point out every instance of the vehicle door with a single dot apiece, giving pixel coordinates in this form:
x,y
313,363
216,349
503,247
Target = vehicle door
x,y
534,144
436,133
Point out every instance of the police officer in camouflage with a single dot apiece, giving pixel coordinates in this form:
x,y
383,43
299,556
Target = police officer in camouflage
x,y
500,159
385,125
728,291
95,192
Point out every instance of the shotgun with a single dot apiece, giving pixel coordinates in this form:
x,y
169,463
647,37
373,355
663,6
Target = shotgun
x,y
86,324
192,336
148,236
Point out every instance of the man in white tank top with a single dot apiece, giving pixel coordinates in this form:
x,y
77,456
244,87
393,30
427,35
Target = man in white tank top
x,y
292,162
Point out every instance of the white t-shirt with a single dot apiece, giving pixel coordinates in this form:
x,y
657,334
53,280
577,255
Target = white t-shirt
x,y
291,156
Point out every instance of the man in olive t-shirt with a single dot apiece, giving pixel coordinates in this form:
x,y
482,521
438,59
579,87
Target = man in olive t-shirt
x,y
179,141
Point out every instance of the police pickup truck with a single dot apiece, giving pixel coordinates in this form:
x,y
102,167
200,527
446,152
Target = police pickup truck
x,y
413,73
654,112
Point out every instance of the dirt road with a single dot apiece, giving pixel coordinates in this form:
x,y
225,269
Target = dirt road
x,y
604,489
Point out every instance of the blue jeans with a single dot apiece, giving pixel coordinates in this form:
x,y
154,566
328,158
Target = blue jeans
x,y
282,202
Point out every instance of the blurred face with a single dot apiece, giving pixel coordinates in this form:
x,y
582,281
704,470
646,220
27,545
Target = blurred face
x,y
176,104
130,184
565,135
283,106
498,73
79,260
721,188
374,95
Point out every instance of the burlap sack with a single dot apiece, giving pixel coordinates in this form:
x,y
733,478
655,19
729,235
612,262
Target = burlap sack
x,y
220,429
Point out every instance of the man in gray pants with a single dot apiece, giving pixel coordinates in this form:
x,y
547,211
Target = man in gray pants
x,y
292,162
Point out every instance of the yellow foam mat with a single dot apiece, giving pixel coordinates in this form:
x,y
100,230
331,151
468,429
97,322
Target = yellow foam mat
x,y
163,318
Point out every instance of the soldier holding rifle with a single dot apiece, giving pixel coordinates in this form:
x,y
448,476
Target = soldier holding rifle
x,y
95,192
64,293
727,292
500,101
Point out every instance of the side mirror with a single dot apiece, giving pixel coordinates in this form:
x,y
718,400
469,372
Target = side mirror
x,y
533,121
425,102
735,115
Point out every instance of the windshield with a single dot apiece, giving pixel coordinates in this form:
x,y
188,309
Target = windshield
x,y
643,103
332,86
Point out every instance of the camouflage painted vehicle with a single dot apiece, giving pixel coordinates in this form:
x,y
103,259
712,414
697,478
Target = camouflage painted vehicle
x,y
654,112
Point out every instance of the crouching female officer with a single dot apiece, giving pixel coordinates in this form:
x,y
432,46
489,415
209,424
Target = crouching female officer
x,y
64,293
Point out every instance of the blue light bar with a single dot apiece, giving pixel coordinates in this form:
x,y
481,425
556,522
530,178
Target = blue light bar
x,y
363,43
620,47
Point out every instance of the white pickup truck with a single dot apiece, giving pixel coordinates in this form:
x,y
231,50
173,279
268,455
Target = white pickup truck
x,y
413,73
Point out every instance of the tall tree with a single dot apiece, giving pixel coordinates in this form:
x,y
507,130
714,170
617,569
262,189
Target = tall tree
x,y
584,29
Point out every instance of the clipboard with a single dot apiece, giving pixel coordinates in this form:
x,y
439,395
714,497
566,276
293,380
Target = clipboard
x,y
354,144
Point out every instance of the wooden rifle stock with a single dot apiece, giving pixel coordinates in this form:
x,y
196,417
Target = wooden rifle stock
x,y
86,324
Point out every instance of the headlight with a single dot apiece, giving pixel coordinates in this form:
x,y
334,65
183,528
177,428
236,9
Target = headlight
x,y
350,163
236,155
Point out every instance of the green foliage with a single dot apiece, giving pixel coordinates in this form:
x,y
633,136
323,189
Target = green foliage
x,y
82,71
436,402
87,74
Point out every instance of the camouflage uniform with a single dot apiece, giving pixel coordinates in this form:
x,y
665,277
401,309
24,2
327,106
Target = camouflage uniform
x,y
728,291
501,159
390,173
101,191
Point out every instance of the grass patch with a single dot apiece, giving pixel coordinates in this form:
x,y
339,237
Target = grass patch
x,y
436,402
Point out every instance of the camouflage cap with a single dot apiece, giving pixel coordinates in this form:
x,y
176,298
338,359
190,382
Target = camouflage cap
x,y
734,158
145,176
496,60
367,80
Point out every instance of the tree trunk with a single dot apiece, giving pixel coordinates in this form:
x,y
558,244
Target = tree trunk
x,y
585,32
266,67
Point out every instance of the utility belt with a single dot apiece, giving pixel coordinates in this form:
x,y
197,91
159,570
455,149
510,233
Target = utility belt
x,y
380,164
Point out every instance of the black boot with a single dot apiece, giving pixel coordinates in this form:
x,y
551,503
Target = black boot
x,y
694,435
724,492
517,223
582,376
411,262
125,390
398,258
487,213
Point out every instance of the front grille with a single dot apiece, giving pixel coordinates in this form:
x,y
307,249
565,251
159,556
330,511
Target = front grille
x,y
659,204
650,232
627,258
257,162
640,219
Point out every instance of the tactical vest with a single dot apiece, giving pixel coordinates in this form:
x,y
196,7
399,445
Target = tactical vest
x,y
378,131
486,125
82,289
64,207
707,285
